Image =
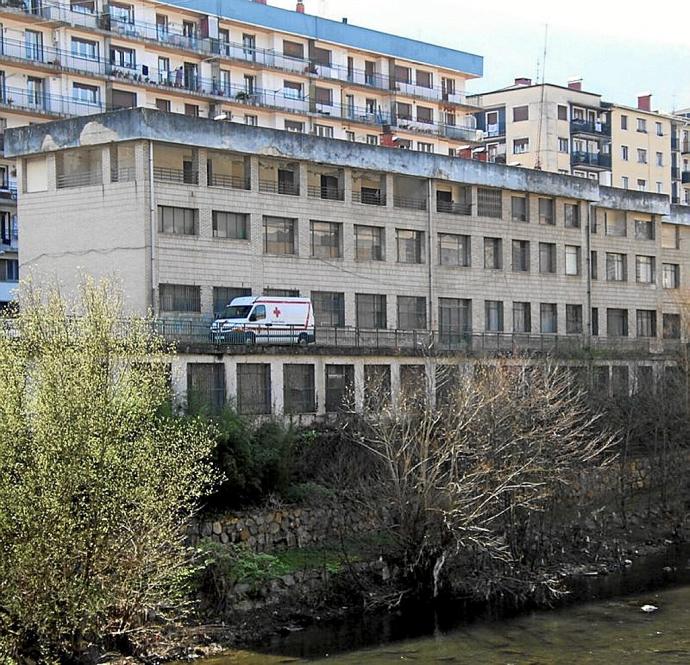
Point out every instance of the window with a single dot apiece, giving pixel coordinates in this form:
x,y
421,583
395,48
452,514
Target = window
x,y
522,317
641,156
454,316
323,96
123,57
563,145
454,250
178,221
122,13
321,56
253,389
179,298
548,318
617,322
350,136
292,89
520,146
493,311
671,326
205,387
520,113
85,93
403,74
669,236
83,48
279,235
572,260
520,255
489,202
615,224
251,120
123,99
646,323
616,269
546,212
224,295
624,122
518,208
340,383
573,319
642,125
425,147
163,105
410,246
425,114
9,270
404,111
326,240
293,50
625,182
659,187
370,310
547,257
641,184
645,269
671,275
595,321
572,215
493,253
425,79
377,386
625,153
294,126
659,129
644,230
324,131
372,139
562,112
594,264
192,110
230,225
329,308
659,158
281,293
411,313
369,243
299,394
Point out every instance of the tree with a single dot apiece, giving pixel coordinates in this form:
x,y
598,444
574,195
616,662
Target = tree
x,y
97,483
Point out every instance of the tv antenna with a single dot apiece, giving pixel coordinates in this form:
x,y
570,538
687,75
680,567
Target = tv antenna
x,y
537,164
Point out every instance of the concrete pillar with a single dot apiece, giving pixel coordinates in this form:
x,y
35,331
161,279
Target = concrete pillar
x,y
303,180
277,387
389,189
359,384
320,385
230,380
254,173
202,166
347,186
105,164
51,171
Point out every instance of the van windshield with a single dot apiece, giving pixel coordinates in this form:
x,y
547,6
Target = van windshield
x,y
237,312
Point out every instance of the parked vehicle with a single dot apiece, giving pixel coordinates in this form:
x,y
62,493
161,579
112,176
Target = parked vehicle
x,y
265,320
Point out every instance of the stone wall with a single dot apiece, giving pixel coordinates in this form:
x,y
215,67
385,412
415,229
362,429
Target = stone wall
x,y
275,530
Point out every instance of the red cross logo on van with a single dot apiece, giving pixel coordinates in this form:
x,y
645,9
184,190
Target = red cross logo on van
x,y
276,313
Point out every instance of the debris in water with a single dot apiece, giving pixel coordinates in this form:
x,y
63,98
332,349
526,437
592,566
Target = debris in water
x,y
649,608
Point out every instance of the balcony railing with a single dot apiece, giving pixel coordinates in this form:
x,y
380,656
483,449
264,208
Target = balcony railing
x,y
229,181
408,202
37,101
595,128
79,179
686,177
330,193
123,174
454,208
599,160
675,143
182,176
369,198
273,187
675,173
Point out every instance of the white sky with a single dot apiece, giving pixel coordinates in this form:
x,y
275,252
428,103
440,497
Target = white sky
x,y
620,48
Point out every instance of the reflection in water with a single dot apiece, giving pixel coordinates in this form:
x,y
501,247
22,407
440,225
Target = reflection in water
x,y
607,631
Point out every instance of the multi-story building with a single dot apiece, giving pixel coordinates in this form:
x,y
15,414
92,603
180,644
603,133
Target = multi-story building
x,y
680,155
239,61
390,246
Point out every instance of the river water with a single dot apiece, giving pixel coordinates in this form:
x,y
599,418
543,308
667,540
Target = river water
x,y
611,630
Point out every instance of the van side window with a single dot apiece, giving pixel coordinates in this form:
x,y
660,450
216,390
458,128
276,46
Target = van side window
x,y
259,313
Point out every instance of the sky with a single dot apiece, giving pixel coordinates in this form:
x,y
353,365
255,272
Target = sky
x,y
619,48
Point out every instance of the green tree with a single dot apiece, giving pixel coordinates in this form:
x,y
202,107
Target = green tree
x,y
97,483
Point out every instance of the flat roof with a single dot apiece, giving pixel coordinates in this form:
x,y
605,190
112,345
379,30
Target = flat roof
x,y
315,27
176,128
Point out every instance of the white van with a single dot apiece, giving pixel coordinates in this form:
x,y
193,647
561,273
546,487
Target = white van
x,y
265,320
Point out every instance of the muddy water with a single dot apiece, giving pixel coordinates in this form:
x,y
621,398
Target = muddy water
x,y
610,630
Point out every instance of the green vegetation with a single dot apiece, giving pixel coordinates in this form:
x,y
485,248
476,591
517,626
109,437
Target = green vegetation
x,y
96,483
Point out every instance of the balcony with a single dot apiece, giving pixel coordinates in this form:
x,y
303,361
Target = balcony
x,y
43,103
273,187
685,178
599,129
229,181
591,160
325,192
453,208
675,143
685,147
675,173
369,197
494,131
409,203
179,176
79,179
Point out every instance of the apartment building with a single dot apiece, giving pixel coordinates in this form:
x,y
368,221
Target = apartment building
x,y
242,61
680,156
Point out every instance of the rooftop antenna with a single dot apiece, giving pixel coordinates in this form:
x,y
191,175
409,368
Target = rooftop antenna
x,y
537,164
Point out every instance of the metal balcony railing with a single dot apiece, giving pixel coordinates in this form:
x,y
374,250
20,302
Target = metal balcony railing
x,y
330,193
182,176
229,181
599,160
376,198
579,126
408,202
454,208
37,101
273,187
79,179
123,174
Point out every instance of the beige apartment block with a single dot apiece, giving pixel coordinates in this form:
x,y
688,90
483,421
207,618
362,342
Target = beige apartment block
x,y
189,212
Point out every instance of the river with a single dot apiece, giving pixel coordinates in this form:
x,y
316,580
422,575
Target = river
x,y
610,630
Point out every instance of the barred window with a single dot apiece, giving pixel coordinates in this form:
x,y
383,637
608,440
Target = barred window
x,y
329,308
230,225
253,388
369,243
179,298
340,382
411,313
454,250
178,221
279,235
371,310
205,387
671,326
298,389
224,295
489,202
410,246
326,240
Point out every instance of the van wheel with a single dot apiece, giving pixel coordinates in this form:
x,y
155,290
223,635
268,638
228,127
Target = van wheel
x,y
303,339
249,339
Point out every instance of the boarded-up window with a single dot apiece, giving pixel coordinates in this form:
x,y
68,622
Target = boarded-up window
x,y
254,388
669,236
205,387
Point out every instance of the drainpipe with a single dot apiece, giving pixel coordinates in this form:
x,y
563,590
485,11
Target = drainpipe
x,y
152,222
591,211
429,253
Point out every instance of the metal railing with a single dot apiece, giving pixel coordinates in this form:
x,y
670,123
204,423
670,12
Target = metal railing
x,y
675,173
229,181
410,203
164,174
330,193
454,208
37,101
578,126
122,174
685,147
274,187
79,179
591,159
369,198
